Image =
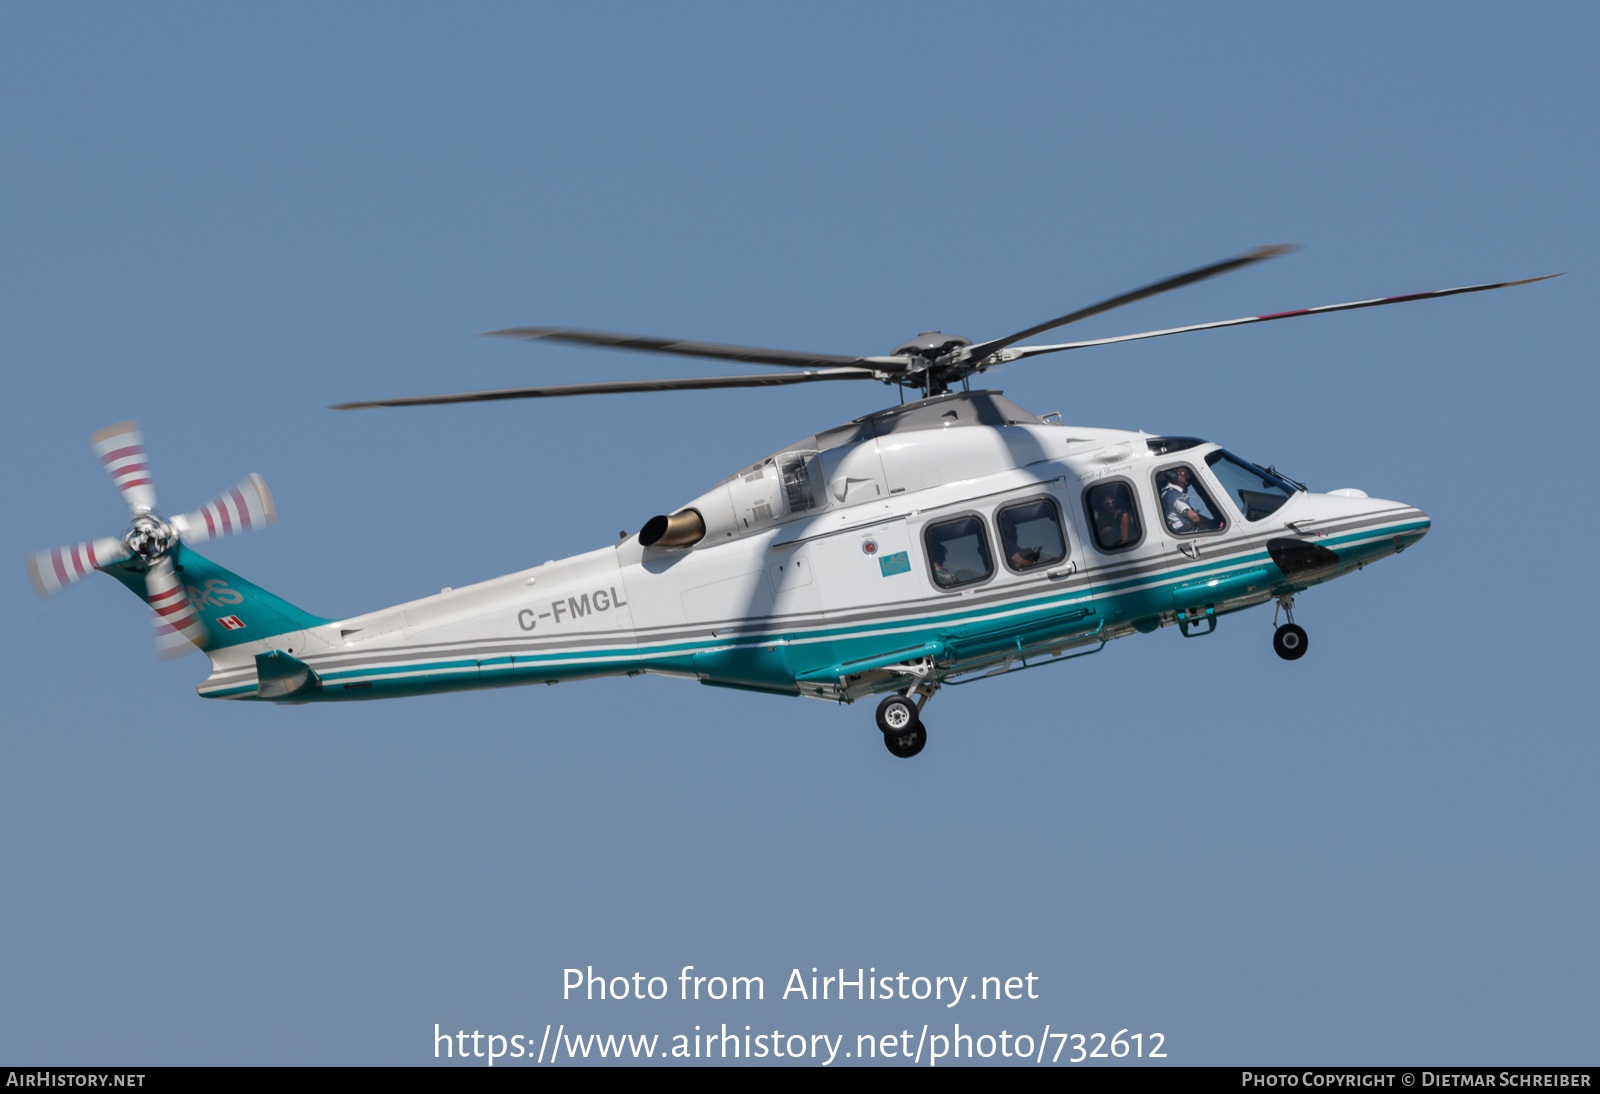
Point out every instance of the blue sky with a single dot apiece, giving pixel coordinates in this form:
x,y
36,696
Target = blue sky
x,y
220,220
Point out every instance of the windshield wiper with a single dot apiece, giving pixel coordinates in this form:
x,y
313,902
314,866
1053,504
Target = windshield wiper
x,y
1275,473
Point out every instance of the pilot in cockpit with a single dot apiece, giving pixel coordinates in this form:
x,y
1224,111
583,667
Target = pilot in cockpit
x,y
1182,512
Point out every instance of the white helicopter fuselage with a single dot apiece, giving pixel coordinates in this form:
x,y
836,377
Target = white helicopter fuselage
x,y
937,542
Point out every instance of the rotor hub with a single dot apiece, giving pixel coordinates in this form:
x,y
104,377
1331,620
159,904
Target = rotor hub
x,y
149,537
934,350
932,345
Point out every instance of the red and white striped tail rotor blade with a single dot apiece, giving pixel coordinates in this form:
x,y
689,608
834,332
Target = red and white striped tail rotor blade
x,y
53,570
120,449
178,626
245,507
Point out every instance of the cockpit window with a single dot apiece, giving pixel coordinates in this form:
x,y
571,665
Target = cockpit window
x,y
1113,516
1185,506
959,552
1257,491
1030,534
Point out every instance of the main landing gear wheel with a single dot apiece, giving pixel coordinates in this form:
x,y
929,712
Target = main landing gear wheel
x,y
896,714
903,733
906,743
1289,642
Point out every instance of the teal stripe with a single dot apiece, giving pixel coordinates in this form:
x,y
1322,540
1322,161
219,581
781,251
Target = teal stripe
x,y
437,666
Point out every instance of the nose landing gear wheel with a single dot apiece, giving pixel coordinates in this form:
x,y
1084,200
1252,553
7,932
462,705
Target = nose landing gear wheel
x,y
1289,642
906,743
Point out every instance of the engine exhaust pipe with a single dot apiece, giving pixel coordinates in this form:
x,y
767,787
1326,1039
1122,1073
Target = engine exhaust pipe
x,y
684,528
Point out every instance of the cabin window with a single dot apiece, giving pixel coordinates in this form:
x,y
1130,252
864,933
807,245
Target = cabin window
x,y
1186,508
1113,515
1030,534
1257,492
958,552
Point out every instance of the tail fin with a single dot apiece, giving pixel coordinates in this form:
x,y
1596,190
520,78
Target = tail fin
x,y
233,610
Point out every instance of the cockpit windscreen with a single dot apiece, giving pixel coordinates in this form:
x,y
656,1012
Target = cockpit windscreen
x,y
1257,491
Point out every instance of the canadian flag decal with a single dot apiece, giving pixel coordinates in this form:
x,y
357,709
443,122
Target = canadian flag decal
x,y
232,622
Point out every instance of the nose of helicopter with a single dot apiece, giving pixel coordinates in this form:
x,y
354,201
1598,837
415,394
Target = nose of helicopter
x,y
1374,520
1417,525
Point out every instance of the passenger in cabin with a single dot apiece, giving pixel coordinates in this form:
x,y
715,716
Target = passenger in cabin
x,y
1183,512
1030,534
1113,519
1024,557
940,574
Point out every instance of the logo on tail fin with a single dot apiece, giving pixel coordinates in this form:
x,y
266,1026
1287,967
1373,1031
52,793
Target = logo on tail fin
x,y
216,593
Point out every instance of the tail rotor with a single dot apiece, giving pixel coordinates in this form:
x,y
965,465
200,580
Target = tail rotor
x,y
150,539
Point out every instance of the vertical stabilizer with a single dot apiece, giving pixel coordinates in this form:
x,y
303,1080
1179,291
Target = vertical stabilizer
x,y
232,610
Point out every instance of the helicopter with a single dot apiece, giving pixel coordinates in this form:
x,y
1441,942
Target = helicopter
x,y
946,540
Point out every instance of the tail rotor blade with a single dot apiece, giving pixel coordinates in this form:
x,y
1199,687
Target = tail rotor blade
x,y
53,570
178,626
120,449
245,507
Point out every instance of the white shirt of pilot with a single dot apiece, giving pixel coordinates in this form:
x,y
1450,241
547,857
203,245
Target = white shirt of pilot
x,y
1175,502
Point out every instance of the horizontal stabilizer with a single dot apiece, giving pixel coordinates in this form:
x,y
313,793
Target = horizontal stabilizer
x,y
280,676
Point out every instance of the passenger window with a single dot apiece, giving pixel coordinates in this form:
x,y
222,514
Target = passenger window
x,y
958,551
1030,534
1185,506
1113,516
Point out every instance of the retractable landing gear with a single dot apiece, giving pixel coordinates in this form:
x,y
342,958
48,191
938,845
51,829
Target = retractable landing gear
x,y
896,714
900,719
1288,641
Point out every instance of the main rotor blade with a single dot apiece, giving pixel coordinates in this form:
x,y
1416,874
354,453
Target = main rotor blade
x,y
1034,351
984,349
241,509
120,449
714,350
615,387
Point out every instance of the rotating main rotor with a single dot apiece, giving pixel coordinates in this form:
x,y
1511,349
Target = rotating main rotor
x,y
932,363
